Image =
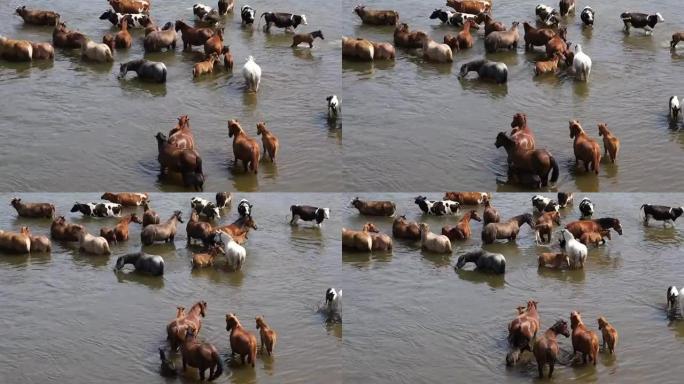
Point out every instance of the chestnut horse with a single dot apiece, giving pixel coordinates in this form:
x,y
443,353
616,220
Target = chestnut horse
x,y
580,227
201,356
242,342
193,36
538,162
181,135
177,328
462,230
245,148
521,133
522,331
508,230
120,231
583,340
239,229
546,347
586,149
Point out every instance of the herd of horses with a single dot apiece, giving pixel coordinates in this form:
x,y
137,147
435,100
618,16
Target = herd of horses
x,y
573,239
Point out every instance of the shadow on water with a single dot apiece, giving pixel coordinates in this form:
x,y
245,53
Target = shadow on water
x,y
474,84
362,67
566,275
478,277
220,273
303,53
128,275
437,259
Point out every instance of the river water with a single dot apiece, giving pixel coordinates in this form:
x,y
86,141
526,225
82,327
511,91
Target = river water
x,y
77,128
410,318
428,131
68,318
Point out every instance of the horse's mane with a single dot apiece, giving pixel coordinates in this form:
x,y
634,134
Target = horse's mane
x,y
606,222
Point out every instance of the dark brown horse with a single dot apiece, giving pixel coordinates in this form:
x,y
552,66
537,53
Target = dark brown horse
x,y
193,36
522,331
546,347
405,229
184,161
201,356
177,328
462,230
539,162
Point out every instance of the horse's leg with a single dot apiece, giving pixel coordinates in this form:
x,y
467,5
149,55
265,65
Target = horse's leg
x,y
551,364
245,164
201,374
540,367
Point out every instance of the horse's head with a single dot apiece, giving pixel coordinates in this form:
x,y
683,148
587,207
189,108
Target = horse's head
x,y
519,120
531,305
25,231
465,68
424,228
355,202
261,127
609,222
602,322
15,202
359,9
134,218
502,140
161,138
438,13
575,128
317,33
514,25
561,328
180,25
177,215
370,227
603,129
475,216
231,321
575,319
234,127
120,262
259,322
460,262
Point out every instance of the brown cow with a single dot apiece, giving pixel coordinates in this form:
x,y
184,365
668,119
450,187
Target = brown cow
x,y
130,6
374,208
586,148
467,198
127,199
36,210
579,227
381,242
583,340
470,6
245,148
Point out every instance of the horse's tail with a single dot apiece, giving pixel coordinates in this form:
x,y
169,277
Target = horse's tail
x,y
219,366
555,171
198,165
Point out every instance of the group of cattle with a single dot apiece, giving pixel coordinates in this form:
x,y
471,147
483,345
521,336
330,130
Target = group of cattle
x,y
533,167
573,238
471,15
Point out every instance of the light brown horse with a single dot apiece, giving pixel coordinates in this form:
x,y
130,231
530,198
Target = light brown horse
x,y
181,135
408,39
245,148
537,36
491,214
580,227
462,230
507,230
583,340
381,241
205,66
595,238
557,44
522,331
546,347
165,232
242,342
611,144
270,141
544,225
405,229
490,25
123,39
268,335
586,148
356,240
239,229
202,356
193,36
120,231
176,329
15,50
464,39
553,260
610,334
62,231
42,51
201,260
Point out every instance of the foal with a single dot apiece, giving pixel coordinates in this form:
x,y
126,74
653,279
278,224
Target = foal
x,y
611,144
586,148
269,140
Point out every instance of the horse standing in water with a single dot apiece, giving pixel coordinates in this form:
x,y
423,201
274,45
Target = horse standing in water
x,y
146,70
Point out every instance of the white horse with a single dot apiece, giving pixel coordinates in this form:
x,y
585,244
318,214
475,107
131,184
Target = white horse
x,y
235,254
576,251
251,71
96,245
432,242
96,52
581,64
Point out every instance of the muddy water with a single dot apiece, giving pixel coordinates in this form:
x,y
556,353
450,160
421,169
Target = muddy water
x,y
77,128
67,317
418,119
410,318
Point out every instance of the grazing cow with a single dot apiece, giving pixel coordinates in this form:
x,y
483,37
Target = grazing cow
x,y
610,334
503,39
223,199
485,261
576,251
244,208
546,348
251,71
586,148
566,6
586,207
587,16
143,263
45,210
376,17
374,208
611,144
583,340
282,20
247,14
205,208
547,15
667,215
641,21
544,204
306,38
309,213
675,108
333,107
38,16
486,70
405,229
135,20
581,64
245,148
97,209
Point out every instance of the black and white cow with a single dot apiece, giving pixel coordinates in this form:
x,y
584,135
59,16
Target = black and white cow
x,y
244,208
205,13
587,16
136,20
544,204
437,208
586,208
675,108
205,208
667,215
97,209
333,299
282,20
333,107
309,213
248,14
565,199
673,300
223,199
452,18
641,20
547,15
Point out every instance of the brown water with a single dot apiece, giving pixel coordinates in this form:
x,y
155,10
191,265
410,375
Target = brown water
x,y
410,318
428,131
72,126
68,318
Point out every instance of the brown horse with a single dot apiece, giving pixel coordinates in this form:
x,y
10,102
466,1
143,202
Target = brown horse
x,y
181,135
508,230
490,215
407,39
269,140
123,39
595,238
579,227
462,230
583,340
16,242
120,231
196,229
214,44
66,38
185,161
610,334
537,36
374,208
522,331
177,328
239,229
521,133
201,260
539,162
490,25
546,347
268,335
586,149
611,144
245,148
557,44
381,242
242,342
193,36
464,39
63,231
165,232
201,356
553,260
544,225
149,215
405,229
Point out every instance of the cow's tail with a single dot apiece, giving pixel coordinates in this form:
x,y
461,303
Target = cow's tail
x,y
262,15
